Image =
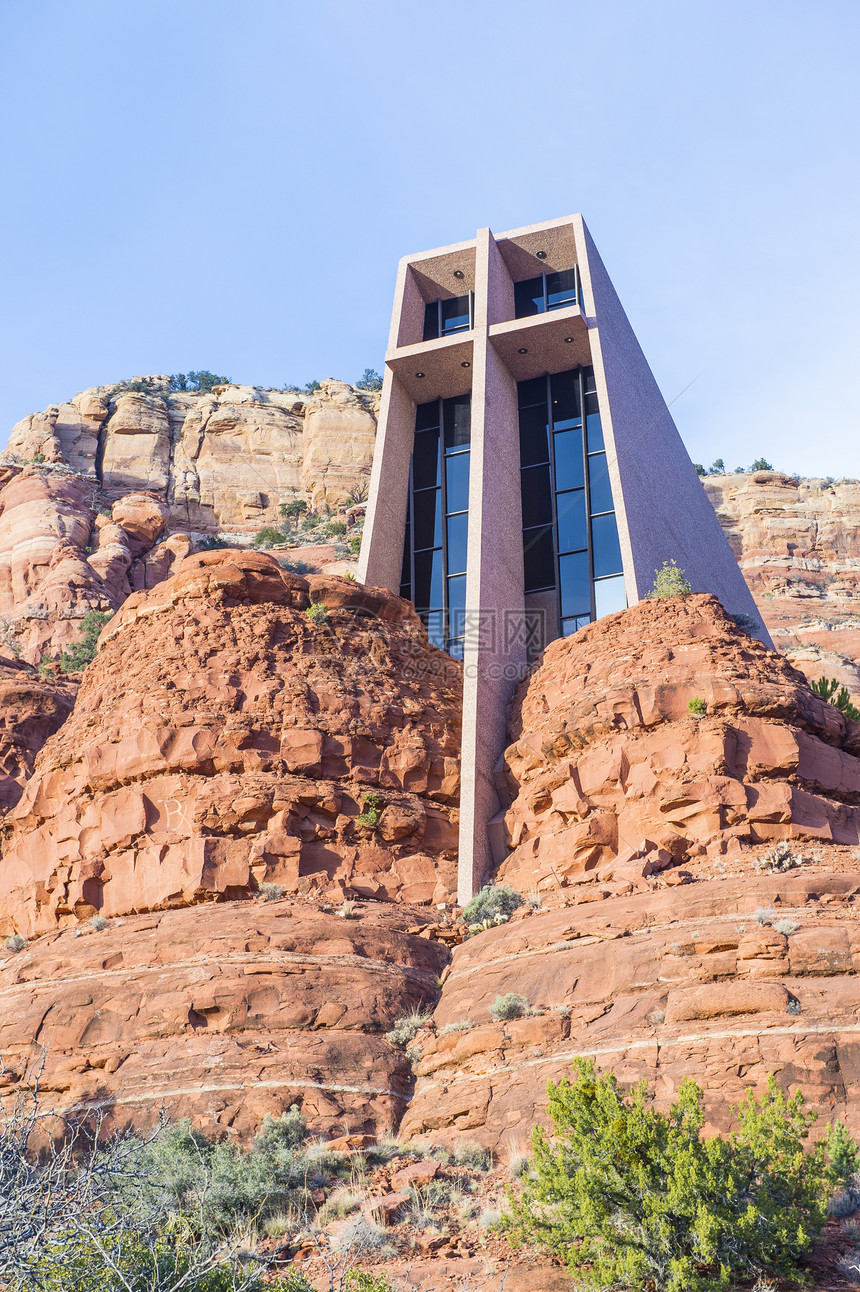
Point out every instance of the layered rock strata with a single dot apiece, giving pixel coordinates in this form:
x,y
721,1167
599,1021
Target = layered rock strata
x,y
31,710
725,981
613,777
222,1017
222,739
798,545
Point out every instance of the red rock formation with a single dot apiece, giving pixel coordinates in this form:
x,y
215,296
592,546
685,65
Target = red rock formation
x,y
798,544
223,1016
614,775
671,983
222,739
31,710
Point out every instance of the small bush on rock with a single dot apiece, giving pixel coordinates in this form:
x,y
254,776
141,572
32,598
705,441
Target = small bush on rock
x,y
268,536
16,943
317,613
510,1006
75,658
632,1198
406,1028
371,809
697,705
495,903
670,581
830,690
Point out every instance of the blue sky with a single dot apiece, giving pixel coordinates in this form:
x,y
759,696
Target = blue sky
x,y
203,184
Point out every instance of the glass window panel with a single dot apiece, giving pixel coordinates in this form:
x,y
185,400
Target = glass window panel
x,y
561,289
536,496
427,415
594,433
569,466
455,315
573,624
528,297
427,525
564,388
457,530
434,622
457,605
457,481
599,486
425,460
606,548
609,595
572,524
428,579
431,321
534,444
457,648
406,570
588,379
457,417
538,559
575,584
531,392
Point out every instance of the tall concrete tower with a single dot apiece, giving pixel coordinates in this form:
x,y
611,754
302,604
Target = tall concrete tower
x,y
528,477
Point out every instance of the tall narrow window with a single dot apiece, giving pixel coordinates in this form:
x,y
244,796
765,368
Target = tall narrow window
x,y
445,317
570,535
547,292
434,548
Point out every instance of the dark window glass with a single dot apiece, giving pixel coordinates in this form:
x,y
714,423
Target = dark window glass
x,y
428,579
594,433
572,526
606,548
600,489
457,606
564,388
458,527
427,415
457,481
457,648
538,559
588,381
573,625
431,321
458,423
569,466
575,585
406,571
455,315
534,443
536,495
561,289
528,297
531,392
425,460
434,621
428,518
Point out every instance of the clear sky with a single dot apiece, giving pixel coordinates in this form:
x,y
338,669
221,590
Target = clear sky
x,y
224,185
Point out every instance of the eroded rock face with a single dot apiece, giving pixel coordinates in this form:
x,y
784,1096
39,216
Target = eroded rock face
x,y
223,1016
222,739
671,983
31,710
615,778
798,545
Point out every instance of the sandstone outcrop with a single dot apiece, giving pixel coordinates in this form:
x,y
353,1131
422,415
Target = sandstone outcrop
x,y
222,1017
222,739
226,459
613,775
31,710
798,544
725,980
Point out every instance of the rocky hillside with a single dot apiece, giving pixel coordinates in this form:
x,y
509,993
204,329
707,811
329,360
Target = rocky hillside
x,y
798,544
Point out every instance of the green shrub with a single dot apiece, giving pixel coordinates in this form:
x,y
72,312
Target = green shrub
x,y
406,1028
75,658
317,613
474,1156
697,705
830,690
492,902
289,1130
267,537
15,943
512,1005
371,810
336,528
670,581
312,387
745,621
369,380
202,382
761,464
354,541
293,510
212,543
631,1198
